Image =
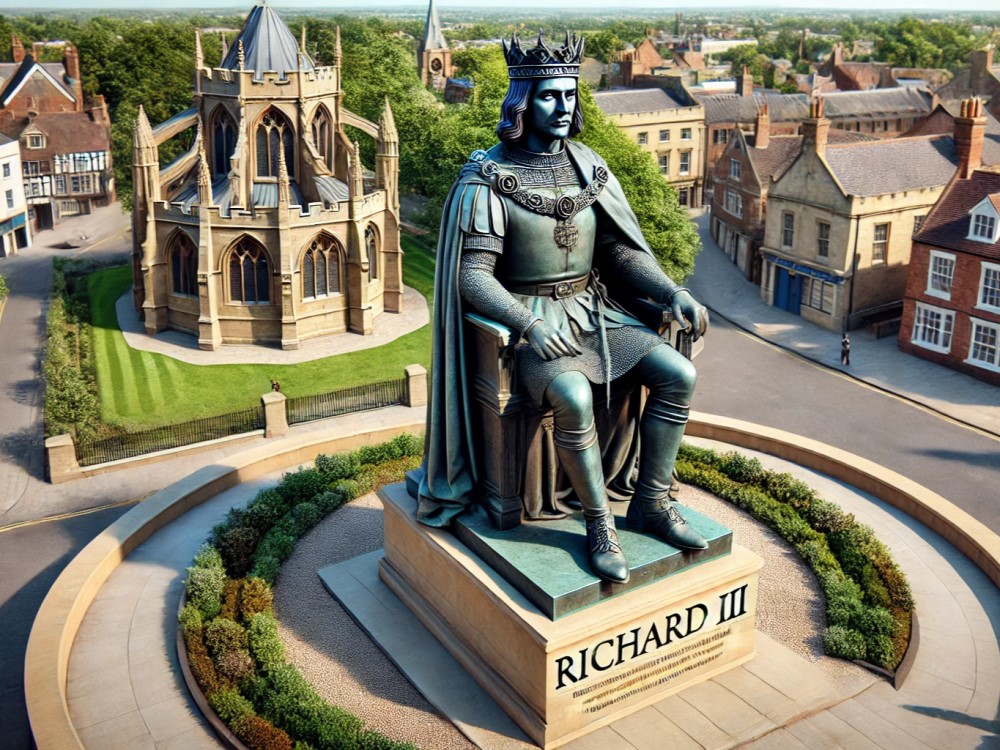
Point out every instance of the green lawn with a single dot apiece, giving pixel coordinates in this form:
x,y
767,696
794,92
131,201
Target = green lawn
x,y
140,389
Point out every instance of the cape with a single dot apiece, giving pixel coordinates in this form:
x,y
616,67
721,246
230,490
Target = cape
x,y
446,481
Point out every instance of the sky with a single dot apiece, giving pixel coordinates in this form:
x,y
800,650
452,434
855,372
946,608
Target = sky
x,y
596,5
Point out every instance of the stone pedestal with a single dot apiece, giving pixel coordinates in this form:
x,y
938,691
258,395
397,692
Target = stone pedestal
x,y
560,679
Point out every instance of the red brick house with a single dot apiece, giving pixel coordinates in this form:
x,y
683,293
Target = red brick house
x,y
951,308
65,138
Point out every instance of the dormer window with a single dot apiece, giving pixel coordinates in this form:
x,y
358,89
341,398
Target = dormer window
x,y
36,140
983,221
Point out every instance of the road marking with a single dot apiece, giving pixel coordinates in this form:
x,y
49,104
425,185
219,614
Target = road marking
x,y
73,514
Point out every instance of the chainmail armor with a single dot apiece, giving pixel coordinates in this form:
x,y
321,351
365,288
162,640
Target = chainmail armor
x,y
641,272
480,288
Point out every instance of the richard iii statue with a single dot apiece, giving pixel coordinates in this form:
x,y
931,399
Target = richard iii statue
x,y
528,231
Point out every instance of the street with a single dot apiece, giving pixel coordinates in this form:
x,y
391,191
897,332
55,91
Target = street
x,y
742,377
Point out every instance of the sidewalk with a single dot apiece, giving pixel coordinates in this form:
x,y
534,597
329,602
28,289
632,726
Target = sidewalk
x,y
720,285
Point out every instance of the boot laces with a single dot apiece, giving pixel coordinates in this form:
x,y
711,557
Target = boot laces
x,y
605,538
665,505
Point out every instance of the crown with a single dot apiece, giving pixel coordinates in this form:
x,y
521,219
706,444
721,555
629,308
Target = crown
x,y
543,61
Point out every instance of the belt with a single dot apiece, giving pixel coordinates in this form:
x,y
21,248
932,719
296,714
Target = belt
x,y
556,289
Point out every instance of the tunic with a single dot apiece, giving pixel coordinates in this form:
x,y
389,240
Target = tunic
x,y
611,340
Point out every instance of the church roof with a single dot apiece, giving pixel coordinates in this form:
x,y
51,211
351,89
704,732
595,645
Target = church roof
x,y
433,35
267,45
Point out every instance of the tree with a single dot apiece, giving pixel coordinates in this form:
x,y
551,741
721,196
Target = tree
x,y
748,56
665,224
911,42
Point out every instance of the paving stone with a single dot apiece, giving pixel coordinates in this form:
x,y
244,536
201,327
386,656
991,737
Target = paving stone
x,y
125,732
169,718
879,730
780,739
196,738
926,689
604,738
692,722
923,722
156,687
726,710
774,704
102,703
950,656
648,729
825,731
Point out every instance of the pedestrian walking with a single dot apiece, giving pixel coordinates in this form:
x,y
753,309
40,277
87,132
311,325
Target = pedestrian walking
x,y
845,350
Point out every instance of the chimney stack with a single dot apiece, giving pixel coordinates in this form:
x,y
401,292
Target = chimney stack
x,y
815,128
71,62
744,83
981,63
16,48
970,127
762,129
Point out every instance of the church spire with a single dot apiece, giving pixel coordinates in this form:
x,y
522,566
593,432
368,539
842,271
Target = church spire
x,y
433,35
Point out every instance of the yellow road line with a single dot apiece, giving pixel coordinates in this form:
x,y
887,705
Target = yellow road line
x,y
72,514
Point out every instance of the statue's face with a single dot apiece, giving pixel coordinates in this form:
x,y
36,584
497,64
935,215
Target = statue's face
x,y
552,107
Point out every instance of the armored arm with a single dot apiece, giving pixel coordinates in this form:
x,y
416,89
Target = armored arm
x,y
643,274
480,289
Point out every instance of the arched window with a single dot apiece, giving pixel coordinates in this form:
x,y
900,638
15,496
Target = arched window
x,y
223,142
183,266
322,135
371,246
321,268
249,274
273,130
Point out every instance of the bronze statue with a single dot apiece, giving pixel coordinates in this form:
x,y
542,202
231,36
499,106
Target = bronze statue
x,y
529,230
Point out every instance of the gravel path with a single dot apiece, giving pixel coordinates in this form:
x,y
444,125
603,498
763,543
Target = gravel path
x,y
350,671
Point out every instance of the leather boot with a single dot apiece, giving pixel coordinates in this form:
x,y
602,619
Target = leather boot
x,y
606,557
652,507
657,513
580,458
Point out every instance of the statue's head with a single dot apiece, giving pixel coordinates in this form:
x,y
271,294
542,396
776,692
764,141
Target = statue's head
x,y
542,93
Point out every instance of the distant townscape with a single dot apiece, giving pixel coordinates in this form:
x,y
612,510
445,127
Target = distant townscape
x,y
848,164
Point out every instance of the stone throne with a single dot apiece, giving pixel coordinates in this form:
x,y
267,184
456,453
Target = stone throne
x,y
519,471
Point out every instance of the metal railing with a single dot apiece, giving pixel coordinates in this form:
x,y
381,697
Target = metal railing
x,y
347,400
131,444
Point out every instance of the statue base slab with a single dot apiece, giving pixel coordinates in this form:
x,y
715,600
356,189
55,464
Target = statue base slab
x,y
547,561
562,679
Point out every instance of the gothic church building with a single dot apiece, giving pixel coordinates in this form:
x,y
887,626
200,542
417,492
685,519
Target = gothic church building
x,y
268,230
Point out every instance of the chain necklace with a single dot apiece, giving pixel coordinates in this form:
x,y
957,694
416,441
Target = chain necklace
x,y
564,208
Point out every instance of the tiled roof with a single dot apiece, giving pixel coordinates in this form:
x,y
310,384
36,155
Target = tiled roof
x,y
723,108
892,166
634,101
65,133
948,223
267,45
876,104
776,158
12,74
782,149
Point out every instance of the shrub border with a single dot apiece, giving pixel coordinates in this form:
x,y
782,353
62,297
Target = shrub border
x,y
808,522
335,481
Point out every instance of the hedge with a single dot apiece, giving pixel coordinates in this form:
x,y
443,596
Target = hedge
x,y
868,600
228,623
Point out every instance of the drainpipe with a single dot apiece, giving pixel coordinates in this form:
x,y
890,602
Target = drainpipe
x,y
854,273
